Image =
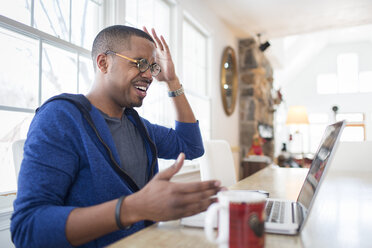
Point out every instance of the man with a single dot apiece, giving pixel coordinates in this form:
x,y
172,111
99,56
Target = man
x,y
88,177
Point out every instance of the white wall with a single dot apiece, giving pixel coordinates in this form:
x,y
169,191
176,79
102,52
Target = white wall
x,y
301,88
222,126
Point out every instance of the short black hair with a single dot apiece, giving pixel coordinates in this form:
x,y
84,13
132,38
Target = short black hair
x,y
114,37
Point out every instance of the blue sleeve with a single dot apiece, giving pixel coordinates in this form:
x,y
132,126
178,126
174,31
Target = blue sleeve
x,y
186,138
47,171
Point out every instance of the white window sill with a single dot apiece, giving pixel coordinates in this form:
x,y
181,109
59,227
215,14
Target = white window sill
x,y
5,215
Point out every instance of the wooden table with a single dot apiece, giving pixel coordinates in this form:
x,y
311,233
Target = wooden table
x,y
341,215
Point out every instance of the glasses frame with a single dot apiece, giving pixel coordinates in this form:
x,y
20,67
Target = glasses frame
x,y
137,62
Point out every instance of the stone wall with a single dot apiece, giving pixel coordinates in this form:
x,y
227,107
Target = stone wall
x,y
256,101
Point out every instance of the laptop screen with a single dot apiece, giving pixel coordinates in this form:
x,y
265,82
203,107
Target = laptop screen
x,y
321,159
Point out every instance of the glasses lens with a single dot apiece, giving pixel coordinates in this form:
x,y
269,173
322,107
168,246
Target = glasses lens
x,y
155,70
143,65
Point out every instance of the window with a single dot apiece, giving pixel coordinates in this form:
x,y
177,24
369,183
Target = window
x,y
44,35
149,13
194,58
348,78
157,107
44,43
355,127
19,10
195,71
72,21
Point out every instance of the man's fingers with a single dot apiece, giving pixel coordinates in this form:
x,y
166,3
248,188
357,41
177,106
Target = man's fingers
x,y
199,207
164,43
145,29
197,186
157,39
196,207
168,173
197,197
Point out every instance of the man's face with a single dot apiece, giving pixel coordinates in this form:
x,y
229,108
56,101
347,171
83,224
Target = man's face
x,y
125,84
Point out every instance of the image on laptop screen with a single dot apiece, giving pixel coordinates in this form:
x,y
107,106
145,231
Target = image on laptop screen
x,y
318,165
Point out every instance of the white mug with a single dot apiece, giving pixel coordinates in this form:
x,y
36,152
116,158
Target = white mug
x,y
241,218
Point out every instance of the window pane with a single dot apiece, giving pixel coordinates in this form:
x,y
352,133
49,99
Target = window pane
x,y
85,24
19,72
15,127
188,76
86,74
201,81
365,81
347,70
194,60
162,19
59,72
188,40
200,48
131,11
352,134
152,14
326,84
188,53
19,10
146,13
157,106
52,17
201,109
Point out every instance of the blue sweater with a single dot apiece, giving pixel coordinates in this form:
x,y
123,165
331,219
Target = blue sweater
x,y
70,161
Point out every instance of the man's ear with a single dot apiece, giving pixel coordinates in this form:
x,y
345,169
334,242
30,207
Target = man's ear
x,y
102,62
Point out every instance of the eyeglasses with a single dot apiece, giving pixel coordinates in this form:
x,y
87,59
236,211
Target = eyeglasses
x,y
142,64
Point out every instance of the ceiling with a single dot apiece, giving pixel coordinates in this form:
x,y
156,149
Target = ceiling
x,y
312,24
279,18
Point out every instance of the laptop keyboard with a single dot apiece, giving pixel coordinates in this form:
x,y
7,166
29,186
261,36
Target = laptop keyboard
x,y
275,211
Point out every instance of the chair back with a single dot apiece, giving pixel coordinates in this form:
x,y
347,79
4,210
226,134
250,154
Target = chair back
x,y
218,163
17,149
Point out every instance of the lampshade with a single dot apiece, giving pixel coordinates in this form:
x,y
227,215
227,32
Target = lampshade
x,y
297,115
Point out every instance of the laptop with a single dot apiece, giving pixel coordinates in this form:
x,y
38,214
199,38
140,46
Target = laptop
x,y
289,217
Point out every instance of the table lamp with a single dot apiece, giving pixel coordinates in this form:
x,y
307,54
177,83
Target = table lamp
x,y
297,115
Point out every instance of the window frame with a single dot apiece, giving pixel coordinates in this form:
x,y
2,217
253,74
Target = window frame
x,y
111,13
41,38
175,42
207,35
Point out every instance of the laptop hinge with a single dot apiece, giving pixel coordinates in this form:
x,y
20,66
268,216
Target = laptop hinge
x,y
298,213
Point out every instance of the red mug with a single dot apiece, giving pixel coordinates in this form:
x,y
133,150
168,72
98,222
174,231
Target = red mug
x,y
241,218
